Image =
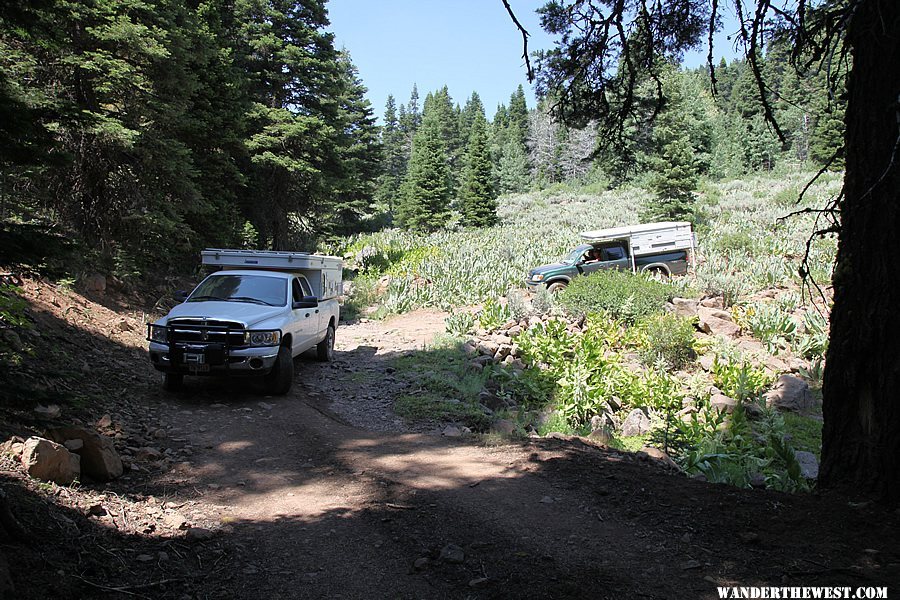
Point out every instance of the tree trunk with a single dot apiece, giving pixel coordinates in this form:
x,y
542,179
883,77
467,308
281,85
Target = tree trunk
x,y
861,436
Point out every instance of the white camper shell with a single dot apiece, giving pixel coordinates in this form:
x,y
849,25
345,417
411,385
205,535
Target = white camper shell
x,y
324,273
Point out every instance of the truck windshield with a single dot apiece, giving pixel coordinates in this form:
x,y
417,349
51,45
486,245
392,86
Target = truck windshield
x,y
255,289
575,255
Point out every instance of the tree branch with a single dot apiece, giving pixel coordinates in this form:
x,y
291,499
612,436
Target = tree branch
x,y
525,36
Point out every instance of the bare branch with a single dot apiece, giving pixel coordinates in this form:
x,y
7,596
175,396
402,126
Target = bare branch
x,y
525,36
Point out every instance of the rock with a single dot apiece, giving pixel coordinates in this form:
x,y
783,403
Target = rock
x,y
637,423
48,412
97,510
49,461
99,459
723,403
685,307
504,427
481,361
690,564
717,322
753,410
809,464
105,422
73,445
148,454
453,554
777,365
478,581
713,302
706,361
469,349
95,283
490,399
503,351
174,520
143,558
790,393
758,481
13,446
514,330
657,454
600,435
421,563
451,431
546,500
124,326
487,347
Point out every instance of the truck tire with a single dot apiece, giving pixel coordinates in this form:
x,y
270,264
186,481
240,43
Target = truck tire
x,y
172,382
325,348
280,378
658,274
556,286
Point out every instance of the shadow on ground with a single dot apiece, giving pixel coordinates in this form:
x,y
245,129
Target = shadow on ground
x,y
296,504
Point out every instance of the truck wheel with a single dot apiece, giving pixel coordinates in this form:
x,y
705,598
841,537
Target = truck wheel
x,y
173,382
658,274
280,378
556,286
325,348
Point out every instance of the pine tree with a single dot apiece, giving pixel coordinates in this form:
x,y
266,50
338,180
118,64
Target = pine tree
x,y
425,194
518,116
394,154
512,172
478,199
358,155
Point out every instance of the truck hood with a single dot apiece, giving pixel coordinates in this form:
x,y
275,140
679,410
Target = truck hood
x,y
552,267
244,312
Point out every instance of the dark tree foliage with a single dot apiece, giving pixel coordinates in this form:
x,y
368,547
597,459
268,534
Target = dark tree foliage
x,y
148,130
592,74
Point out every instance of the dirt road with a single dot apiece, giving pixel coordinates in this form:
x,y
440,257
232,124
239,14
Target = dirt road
x,y
312,503
326,493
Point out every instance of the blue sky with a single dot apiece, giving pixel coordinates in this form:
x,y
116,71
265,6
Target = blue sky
x,y
468,45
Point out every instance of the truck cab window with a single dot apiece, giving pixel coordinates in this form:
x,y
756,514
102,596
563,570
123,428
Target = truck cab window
x,y
613,253
297,291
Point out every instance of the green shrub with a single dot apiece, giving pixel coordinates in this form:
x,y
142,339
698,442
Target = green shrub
x,y
740,381
619,294
493,315
666,337
459,324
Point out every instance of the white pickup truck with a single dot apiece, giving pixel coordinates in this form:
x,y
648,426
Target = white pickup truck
x,y
251,318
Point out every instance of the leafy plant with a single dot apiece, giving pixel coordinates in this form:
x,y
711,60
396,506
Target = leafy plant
x,y
12,307
743,382
620,295
771,325
460,324
493,315
666,337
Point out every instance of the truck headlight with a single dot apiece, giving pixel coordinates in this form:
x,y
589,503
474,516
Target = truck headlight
x,y
537,277
158,333
265,338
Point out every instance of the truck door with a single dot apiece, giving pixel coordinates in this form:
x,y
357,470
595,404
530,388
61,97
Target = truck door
x,y
306,320
612,256
615,256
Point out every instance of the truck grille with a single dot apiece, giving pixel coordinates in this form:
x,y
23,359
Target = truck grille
x,y
207,332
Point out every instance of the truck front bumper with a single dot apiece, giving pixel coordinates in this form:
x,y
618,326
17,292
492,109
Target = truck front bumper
x,y
191,359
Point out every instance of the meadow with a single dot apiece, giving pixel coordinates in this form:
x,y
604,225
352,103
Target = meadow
x,y
589,357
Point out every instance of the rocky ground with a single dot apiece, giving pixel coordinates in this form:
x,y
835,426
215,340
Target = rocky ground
x,y
228,493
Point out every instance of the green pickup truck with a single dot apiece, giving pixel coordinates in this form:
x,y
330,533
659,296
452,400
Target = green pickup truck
x,y
663,249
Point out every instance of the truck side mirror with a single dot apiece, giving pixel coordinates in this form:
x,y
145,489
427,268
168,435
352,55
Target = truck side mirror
x,y
306,302
180,295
